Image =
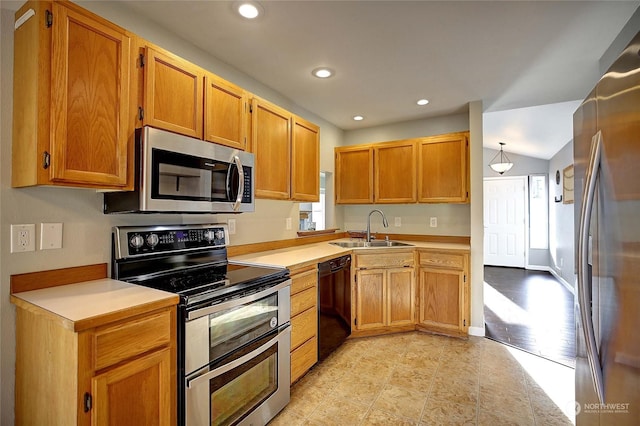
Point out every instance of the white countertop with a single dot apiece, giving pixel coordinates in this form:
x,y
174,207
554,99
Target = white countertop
x,y
90,303
319,252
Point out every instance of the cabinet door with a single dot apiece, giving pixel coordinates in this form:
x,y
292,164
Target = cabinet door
x,y
400,296
395,172
354,175
271,142
173,94
90,121
371,297
305,161
443,169
441,298
225,113
135,393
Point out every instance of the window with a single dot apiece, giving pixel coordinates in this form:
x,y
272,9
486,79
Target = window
x,y
312,215
538,212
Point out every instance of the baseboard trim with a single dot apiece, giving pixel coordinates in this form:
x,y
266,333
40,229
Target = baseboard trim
x,y
538,268
476,331
563,281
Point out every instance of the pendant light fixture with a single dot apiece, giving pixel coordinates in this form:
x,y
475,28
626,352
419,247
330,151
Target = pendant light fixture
x,y
500,162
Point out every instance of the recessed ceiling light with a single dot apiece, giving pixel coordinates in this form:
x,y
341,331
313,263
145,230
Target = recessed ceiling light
x,y
248,9
422,101
322,72
358,117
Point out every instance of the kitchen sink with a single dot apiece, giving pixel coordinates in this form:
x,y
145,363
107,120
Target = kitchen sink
x,y
376,243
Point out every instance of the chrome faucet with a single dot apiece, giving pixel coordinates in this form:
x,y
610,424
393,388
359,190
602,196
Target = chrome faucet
x,y
384,223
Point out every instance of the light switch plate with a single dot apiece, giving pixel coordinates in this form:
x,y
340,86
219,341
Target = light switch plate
x,y
433,222
23,238
288,224
50,236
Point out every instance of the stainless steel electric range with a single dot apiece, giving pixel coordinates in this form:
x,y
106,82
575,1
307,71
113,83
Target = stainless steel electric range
x,y
234,332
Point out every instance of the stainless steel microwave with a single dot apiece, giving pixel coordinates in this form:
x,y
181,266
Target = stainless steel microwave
x,y
180,174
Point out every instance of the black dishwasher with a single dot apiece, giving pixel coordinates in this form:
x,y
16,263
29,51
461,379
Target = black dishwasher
x,y
334,296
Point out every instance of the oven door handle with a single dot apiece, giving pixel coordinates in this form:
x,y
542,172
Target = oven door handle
x,y
236,302
235,363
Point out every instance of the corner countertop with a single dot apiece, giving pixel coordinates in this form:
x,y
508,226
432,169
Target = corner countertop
x,y
319,252
88,304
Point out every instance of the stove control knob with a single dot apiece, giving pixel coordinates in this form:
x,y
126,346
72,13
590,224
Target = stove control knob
x,y
209,235
153,240
136,241
220,235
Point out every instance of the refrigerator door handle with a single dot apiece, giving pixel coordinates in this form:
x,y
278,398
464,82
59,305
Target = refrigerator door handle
x,y
588,196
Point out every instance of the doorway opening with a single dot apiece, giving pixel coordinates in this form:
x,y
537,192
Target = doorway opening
x,y
525,306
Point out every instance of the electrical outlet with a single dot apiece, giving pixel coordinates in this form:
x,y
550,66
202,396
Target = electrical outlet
x,y
288,223
397,221
23,238
433,222
232,226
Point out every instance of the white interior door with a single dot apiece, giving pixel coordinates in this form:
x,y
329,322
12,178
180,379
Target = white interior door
x,y
504,221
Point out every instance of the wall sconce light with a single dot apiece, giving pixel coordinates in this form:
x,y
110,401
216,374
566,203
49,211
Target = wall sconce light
x,y
500,163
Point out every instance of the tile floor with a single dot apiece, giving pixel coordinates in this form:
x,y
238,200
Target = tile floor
x,y
421,379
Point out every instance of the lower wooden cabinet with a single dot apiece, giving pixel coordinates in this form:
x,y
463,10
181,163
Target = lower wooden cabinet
x,y
384,292
443,292
119,373
304,320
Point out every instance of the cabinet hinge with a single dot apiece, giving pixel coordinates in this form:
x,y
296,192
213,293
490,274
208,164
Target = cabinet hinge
x,y
140,113
250,108
464,278
464,322
46,160
142,59
88,402
48,18
355,321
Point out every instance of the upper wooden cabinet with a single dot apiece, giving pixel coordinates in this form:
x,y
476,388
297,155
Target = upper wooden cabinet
x,y
271,144
287,150
427,170
225,112
394,172
443,168
305,161
354,175
72,99
173,93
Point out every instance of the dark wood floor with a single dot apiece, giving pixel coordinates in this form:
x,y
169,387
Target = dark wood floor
x,y
530,310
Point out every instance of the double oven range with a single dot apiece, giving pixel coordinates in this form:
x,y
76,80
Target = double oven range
x,y
234,328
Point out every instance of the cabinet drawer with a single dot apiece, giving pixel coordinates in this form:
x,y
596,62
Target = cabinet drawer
x,y
303,358
385,260
304,281
116,343
304,300
442,260
303,327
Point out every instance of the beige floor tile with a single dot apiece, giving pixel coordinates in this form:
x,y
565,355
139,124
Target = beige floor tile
x,y
417,378
401,401
380,418
438,412
338,412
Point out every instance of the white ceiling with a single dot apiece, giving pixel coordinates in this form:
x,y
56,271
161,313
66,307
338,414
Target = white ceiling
x,y
388,54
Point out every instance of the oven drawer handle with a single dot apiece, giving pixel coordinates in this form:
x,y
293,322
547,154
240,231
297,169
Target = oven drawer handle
x,y
243,359
236,302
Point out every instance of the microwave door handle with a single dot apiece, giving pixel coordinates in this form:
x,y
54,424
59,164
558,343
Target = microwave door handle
x,y
236,205
588,196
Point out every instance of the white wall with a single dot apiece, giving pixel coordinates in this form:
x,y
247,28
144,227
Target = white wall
x,y
561,220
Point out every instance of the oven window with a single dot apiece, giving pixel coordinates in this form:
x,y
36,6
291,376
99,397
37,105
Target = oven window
x,y
185,177
236,392
237,326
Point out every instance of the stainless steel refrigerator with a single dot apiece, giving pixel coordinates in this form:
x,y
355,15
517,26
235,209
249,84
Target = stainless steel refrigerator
x,y
607,218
